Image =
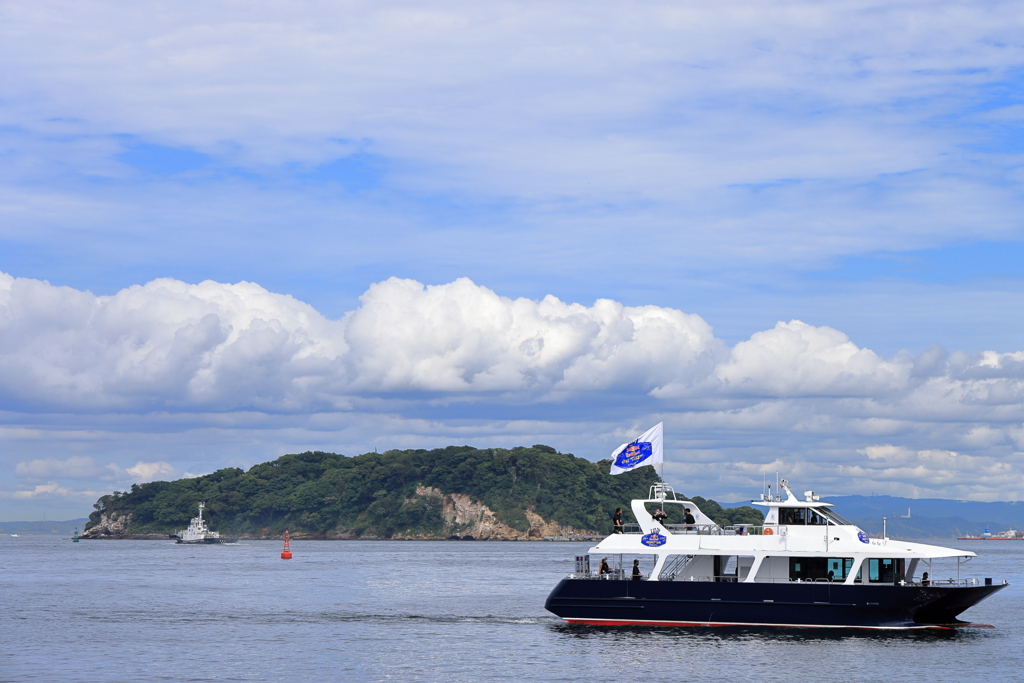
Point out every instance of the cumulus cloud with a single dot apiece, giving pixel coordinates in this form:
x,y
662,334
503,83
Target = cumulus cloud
x,y
173,346
168,345
795,358
463,337
142,472
416,362
165,344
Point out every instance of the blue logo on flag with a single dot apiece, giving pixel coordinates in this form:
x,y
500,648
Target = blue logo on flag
x,y
633,454
863,537
653,540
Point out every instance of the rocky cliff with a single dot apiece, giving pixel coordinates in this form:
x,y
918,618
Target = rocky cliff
x,y
114,525
466,519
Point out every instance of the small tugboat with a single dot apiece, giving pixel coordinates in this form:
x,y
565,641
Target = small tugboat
x,y
197,532
804,566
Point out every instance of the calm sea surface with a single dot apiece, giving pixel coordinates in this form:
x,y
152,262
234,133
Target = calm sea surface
x,y
443,611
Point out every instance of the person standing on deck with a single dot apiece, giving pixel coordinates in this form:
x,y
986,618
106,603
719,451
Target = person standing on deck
x,y
617,521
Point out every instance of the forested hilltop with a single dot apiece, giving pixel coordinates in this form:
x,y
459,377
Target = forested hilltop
x,y
458,491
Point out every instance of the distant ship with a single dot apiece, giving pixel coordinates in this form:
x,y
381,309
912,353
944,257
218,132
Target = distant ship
x,y
1008,535
197,532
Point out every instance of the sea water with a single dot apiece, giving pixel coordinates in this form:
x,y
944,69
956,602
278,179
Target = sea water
x,y
420,611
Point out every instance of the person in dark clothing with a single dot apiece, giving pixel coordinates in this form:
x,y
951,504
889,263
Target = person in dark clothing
x,y
924,580
689,519
637,574
617,521
604,569
659,516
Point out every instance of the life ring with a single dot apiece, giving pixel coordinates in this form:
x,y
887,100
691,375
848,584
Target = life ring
x,y
768,532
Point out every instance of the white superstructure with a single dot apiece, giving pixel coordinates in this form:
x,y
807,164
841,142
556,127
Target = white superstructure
x,y
836,549
197,531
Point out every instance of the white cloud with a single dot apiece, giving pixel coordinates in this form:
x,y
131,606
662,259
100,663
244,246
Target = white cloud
x,y
85,467
74,467
762,132
170,369
798,359
463,337
142,472
50,490
177,347
171,345
162,344
675,106
936,473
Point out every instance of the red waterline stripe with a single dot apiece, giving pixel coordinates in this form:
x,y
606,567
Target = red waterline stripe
x,y
639,622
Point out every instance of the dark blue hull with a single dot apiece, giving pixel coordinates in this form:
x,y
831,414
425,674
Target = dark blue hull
x,y
829,605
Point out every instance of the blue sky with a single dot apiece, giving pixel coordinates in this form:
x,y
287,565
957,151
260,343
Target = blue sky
x,y
853,166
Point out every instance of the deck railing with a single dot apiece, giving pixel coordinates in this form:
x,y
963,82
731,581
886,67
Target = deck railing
x,y
625,575
707,529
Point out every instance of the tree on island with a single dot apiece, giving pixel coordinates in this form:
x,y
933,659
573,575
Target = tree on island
x,y
397,492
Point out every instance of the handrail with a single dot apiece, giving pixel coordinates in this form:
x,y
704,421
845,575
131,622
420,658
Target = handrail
x,y
623,575
709,529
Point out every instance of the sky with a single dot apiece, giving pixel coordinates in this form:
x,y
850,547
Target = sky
x,y
791,230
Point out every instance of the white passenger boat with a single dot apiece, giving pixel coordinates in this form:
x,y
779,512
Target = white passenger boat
x,y
804,566
197,532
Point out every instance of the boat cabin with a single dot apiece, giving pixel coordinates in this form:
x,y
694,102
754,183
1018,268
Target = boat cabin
x,y
799,541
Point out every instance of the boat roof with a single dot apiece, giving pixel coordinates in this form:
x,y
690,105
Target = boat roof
x,y
811,499
829,536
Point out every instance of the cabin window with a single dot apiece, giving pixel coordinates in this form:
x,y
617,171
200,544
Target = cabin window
x,y
819,568
792,515
814,518
840,567
833,516
725,567
885,570
802,516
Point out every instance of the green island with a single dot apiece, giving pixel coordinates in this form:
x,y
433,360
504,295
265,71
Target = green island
x,y
447,493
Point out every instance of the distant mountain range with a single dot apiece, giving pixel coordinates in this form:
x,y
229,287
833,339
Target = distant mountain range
x,y
58,528
928,517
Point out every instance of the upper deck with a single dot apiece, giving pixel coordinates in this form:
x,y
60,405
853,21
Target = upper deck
x,y
791,526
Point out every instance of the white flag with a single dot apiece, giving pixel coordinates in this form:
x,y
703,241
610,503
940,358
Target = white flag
x,y
646,450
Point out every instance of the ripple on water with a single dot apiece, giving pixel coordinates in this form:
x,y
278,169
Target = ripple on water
x,y
359,611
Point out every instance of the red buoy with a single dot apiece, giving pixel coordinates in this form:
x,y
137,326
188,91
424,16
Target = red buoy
x,y
287,554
